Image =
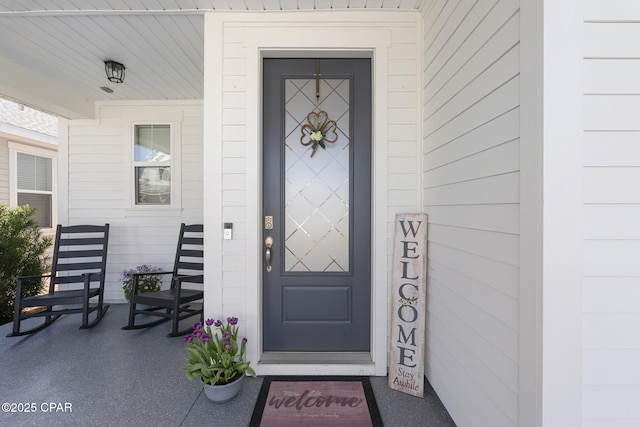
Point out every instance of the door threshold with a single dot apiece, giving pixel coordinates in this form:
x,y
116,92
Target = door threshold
x,y
313,358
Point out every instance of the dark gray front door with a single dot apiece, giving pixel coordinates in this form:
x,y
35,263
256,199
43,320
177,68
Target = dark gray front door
x,y
317,209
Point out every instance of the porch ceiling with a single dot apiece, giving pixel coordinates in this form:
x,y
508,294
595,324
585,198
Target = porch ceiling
x,y
52,52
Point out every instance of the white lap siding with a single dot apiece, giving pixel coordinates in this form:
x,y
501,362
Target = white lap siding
x,y
611,296
99,172
471,152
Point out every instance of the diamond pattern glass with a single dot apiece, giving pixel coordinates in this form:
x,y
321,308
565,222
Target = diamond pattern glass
x,y
316,188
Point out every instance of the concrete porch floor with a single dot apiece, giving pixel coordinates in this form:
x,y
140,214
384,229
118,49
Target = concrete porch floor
x,y
109,377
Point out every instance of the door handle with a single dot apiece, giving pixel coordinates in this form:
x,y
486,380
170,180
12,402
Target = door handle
x,y
268,242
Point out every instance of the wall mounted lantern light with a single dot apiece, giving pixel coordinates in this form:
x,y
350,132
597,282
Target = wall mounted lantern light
x,y
114,70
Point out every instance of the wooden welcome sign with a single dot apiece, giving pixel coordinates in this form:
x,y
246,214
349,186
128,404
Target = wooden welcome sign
x,y
408,306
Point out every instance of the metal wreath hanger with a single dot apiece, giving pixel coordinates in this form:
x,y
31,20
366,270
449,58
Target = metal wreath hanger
x,y
315,132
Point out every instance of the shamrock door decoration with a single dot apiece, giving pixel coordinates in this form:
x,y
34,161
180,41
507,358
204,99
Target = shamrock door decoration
x,y
319,129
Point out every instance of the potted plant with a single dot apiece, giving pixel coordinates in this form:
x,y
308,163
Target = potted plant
x,y
146,283
217,358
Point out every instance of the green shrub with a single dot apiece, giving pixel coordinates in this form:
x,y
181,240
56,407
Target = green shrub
x,y
22,253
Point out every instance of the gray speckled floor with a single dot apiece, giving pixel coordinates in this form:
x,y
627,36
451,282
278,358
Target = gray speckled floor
x,y
109,377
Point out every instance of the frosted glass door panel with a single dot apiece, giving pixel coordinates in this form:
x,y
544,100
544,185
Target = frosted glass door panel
x,y
316,188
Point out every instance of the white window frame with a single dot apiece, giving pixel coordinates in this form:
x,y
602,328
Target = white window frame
x,y
14,149
173,164
142,164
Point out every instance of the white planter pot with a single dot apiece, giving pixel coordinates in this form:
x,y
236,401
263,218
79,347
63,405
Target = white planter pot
x,y
223,393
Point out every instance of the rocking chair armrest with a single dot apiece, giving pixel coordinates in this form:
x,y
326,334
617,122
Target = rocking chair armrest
x,y
182,277
87,277
179,278
41,276
152,274
99,273
19,280
136,276
87,282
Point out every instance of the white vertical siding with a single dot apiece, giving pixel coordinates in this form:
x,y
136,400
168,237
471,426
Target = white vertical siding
x,y
99,163
611,318
234,171
403,162
471,182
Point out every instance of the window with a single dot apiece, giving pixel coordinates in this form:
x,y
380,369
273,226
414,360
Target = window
x,y
152,162
34,185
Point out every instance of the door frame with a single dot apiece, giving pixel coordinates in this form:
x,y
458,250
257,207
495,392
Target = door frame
x,y
376,362
291,39
355,333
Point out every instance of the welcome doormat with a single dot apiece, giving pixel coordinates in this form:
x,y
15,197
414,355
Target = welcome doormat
x,y
287,401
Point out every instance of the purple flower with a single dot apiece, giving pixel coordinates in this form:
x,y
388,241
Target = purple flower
x,y
226,345
205,337
209,322
217,323
232,320
226,335
188,338
197,325
244,340
197,333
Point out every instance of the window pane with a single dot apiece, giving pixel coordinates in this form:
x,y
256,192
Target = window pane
x,y
153,185
34,172
42,205
152,143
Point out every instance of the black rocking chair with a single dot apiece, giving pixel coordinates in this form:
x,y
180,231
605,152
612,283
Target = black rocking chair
x,y
175,303
78,266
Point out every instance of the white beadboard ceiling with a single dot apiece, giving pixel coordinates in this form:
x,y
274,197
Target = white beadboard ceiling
x,y
160,42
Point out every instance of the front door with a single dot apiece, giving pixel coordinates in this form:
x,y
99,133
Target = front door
x,y
316,205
